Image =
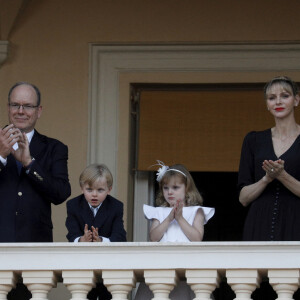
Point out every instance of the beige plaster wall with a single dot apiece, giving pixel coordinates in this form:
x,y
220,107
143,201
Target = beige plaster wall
x,y
49,47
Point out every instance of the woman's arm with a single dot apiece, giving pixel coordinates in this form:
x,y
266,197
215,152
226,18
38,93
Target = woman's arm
x,y
249,188
273,169
290,182
250,192
193,232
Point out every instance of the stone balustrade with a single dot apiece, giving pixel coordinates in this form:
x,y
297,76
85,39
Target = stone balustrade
x,y
160,265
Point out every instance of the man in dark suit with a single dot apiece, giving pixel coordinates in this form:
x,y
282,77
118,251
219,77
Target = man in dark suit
x,y
95,216
33,171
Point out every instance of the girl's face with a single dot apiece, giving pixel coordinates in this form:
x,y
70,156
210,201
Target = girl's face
x,y
280,101
174,190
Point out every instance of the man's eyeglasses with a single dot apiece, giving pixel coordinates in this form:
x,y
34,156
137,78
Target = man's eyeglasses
x,y
25,107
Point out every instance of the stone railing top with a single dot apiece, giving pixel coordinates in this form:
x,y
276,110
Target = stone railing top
x,y
146,255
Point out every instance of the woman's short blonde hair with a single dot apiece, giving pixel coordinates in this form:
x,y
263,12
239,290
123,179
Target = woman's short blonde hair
x,y
287,83
94,172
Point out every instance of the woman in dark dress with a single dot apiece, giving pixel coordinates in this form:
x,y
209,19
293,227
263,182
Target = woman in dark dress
x,y
269,173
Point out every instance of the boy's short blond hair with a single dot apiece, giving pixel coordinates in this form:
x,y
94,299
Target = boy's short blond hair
x,y
94,172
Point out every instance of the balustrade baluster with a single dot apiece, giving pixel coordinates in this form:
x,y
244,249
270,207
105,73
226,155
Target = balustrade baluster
x,y
243,282
119,282
284,282
161,282
202,282
7,282
79,283
39,283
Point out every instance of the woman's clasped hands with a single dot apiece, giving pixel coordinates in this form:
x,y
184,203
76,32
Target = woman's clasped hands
x,y
272,168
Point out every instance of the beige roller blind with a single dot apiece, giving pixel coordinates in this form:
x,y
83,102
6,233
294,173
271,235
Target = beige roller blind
x,y
203,130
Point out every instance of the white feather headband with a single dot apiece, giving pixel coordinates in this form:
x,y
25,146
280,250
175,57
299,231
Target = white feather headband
x,y
162,171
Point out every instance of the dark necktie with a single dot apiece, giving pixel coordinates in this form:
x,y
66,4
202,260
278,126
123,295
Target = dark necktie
x,y
19,166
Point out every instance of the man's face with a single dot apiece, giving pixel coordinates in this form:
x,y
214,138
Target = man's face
x,y
25,116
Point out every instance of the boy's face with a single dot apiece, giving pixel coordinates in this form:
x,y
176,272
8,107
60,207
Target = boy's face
x,y
97,193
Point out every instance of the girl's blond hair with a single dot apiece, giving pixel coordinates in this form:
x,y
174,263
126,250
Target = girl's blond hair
x,y
192,195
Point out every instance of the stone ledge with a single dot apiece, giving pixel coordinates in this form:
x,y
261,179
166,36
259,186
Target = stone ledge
x,y
139,256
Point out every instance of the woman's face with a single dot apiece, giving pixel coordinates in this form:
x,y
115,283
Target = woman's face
x,y
281,101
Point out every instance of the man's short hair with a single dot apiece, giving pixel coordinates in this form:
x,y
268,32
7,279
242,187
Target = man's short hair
x,y
37,91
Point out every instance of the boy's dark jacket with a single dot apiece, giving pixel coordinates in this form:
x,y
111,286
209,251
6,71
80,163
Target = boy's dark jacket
x,y
109,218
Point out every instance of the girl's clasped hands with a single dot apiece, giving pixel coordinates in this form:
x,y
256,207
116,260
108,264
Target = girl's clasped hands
x,y
176,212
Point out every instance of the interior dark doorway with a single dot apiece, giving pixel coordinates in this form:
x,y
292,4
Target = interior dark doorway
x,y
219,190
218,182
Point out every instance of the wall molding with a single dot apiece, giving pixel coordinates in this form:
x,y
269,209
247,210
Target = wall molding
x,y
107,62
3,51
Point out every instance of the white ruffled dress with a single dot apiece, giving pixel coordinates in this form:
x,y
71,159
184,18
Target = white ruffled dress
x,y
173,234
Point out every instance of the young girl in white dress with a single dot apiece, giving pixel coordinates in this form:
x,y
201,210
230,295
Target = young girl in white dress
x,y
179,217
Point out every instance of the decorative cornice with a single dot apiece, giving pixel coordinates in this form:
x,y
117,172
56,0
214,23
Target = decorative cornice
x,y
3,51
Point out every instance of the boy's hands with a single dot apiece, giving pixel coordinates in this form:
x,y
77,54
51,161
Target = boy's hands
x,y
96,237
87,237
90,235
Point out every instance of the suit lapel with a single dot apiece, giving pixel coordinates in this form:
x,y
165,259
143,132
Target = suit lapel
x,y
37,144
87,213
102,213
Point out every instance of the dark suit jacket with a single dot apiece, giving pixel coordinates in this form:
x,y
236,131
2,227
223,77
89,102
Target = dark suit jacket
x,y
109,218
25,199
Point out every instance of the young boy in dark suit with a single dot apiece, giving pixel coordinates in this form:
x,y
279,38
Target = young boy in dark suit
x,y
95,216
